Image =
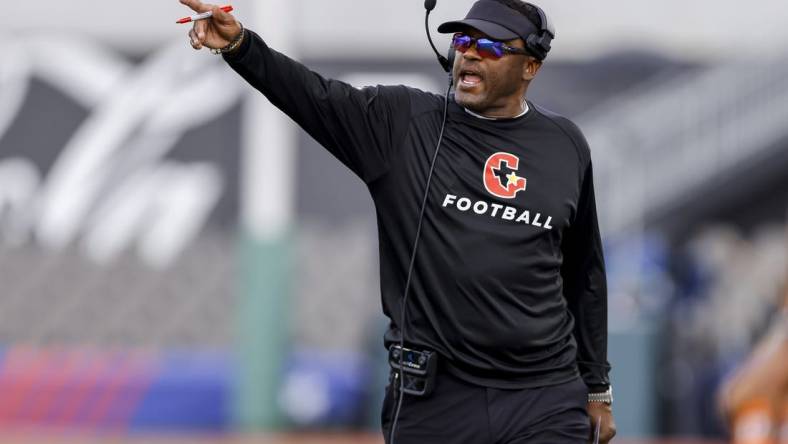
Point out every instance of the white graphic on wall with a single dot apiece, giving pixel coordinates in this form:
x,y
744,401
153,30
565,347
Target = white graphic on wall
x,y
110,187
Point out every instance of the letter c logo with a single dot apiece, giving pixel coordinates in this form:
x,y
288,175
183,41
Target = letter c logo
x,y
500,176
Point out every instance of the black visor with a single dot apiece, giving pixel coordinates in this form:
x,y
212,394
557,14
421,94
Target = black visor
x,y
495,20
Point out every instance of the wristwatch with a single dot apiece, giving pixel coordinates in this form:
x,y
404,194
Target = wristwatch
x,y
605,397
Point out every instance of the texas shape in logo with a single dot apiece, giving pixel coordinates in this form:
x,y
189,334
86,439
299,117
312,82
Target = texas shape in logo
x,y
500,176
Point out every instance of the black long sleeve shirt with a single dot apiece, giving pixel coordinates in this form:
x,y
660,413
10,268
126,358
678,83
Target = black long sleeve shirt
x,y
509,283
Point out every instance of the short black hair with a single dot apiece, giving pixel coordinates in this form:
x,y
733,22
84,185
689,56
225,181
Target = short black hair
x,y
528,10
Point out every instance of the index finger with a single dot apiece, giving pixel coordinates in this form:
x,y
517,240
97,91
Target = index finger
x,y
196,5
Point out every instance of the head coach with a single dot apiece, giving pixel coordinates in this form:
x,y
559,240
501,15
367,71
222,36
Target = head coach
x,y
492,272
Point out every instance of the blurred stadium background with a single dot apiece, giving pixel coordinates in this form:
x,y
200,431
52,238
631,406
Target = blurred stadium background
x,y
178,261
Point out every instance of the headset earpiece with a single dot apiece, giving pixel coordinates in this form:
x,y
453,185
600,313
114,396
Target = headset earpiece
x,y
539,44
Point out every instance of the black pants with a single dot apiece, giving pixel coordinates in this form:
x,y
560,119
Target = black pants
x,y
461,413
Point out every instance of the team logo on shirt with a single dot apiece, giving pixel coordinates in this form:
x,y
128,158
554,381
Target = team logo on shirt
x,y
500,176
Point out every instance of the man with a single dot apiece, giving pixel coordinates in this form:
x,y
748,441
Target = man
x,y
508,287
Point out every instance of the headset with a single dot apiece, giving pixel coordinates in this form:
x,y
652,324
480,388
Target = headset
x,y
446,63
539,45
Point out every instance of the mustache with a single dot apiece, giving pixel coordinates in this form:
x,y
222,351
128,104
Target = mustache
x,y
470,68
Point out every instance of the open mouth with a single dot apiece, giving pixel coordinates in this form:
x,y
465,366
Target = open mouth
x,y
470,78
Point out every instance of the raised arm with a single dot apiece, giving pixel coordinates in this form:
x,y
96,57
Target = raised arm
x,y
361,127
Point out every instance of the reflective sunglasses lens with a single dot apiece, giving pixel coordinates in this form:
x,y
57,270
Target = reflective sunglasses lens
x,y
462,42
490,49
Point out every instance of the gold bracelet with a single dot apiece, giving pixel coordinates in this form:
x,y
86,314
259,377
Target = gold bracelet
x,y
232,46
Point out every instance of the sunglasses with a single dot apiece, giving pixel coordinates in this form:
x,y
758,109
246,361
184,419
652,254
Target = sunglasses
x,y
489,49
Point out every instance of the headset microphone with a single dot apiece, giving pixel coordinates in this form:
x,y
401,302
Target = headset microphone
x,y
445,62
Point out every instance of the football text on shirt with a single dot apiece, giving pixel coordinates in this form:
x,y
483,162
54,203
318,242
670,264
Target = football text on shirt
x,y
504,212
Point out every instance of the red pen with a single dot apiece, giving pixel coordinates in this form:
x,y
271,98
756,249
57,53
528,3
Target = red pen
x,y
204,15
